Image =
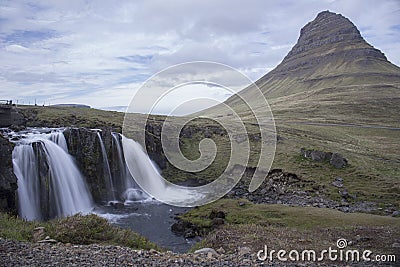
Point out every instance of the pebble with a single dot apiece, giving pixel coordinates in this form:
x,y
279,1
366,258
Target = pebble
x,y
206,251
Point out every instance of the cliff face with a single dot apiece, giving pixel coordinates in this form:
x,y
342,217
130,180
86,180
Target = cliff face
x,y
84,146
8,181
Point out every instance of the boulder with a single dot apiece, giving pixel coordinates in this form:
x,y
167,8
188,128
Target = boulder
x,y
38,234
338,161
48,240
217,221
206,251
243,251
187,229
338,182
217,214
335,159
345,194
320,155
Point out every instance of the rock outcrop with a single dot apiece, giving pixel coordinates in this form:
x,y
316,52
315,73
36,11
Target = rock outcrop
x,y
8,181
335,159
327,37
9,116
153,138
84,146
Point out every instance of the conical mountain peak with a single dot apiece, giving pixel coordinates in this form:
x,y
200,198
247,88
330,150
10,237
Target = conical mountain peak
x,y
330,73
331,34
327,28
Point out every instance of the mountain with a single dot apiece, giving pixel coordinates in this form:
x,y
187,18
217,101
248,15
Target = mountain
x,y
331,74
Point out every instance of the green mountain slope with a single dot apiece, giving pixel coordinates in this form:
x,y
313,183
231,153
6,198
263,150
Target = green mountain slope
x,y
331,74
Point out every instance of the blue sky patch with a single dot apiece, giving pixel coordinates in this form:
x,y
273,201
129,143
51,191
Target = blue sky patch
x,y
25,38
137,58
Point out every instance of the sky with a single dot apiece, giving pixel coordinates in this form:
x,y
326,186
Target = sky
x,y
100,52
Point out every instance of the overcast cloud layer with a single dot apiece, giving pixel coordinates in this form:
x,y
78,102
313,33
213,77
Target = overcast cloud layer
x,y
99,52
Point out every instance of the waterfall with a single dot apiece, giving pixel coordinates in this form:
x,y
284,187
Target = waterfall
x,y
59,138
148,177
49,183
121,179
26,170
107,172
124,183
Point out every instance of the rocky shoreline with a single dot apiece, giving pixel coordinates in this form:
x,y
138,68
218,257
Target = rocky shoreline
x,y
15,253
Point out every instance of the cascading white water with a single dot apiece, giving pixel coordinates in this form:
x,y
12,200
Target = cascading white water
x,y
107,171
126,187
149,178
49,183
59,138
26,170
124,179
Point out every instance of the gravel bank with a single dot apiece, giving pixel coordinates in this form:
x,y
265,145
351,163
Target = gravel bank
x,y
15,253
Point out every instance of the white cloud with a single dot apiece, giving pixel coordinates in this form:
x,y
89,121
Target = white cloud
x,y
16,48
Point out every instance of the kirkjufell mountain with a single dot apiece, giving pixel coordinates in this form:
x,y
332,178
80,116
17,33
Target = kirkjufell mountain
x,y
331,74
329,52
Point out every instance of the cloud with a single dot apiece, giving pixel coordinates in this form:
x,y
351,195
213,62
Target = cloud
x,y
16,48
100,53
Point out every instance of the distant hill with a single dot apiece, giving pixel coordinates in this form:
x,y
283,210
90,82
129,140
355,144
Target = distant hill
x,y
331,74
71,105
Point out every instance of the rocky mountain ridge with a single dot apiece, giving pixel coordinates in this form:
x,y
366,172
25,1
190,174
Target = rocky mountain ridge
x,y
329,73
331,35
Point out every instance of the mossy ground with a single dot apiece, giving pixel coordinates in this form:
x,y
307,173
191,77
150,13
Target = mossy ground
x,y
253,225
71,116
77,229
242,211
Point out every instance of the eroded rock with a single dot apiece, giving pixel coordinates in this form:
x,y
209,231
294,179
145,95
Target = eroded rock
x,y
335,159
